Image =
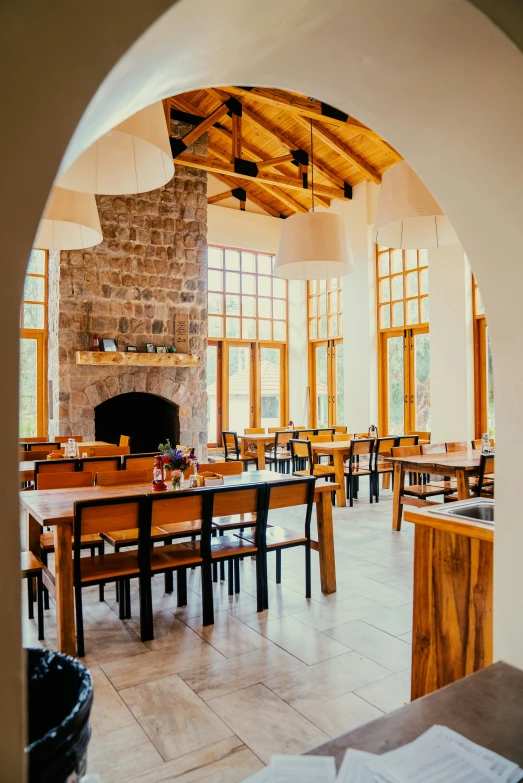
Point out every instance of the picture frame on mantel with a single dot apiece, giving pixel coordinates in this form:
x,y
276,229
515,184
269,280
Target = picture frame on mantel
x,y
109,345
132,349
181,333
150,348
161,349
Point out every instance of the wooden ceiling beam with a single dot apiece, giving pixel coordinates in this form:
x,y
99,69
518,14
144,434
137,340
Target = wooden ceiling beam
x,y
194,134
267,164
295,206
259,203
325,135
219,197
289,183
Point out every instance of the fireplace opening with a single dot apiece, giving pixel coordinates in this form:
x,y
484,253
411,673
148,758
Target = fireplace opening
x,y
147,418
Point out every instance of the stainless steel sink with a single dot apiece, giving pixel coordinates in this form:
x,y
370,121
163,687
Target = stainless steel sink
x,y
479,509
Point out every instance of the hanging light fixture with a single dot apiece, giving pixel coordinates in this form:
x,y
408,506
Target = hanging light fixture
x,y
313,245
408,216
70,222
134,157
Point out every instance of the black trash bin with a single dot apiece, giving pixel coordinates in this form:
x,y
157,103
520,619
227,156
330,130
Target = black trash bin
x,y
60,695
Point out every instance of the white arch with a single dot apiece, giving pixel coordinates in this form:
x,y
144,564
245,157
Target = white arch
x,y
435,77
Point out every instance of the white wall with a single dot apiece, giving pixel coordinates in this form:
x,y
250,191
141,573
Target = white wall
x,y
451,345
245,230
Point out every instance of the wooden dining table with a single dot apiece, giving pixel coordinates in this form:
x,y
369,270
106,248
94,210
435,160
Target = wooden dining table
x,y
339,450
55,508
458,464
260,441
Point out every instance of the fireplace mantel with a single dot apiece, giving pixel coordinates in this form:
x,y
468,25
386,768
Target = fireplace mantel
x,y
131,359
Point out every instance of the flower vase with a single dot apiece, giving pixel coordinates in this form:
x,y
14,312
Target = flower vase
x,y
177,481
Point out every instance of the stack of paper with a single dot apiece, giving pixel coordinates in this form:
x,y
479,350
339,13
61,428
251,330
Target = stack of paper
x,y
438,756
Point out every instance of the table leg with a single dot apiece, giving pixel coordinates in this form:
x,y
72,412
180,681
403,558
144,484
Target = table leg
x,y
385,481
341,497
399,484
65,629
261,455
33,535
463,484
326,543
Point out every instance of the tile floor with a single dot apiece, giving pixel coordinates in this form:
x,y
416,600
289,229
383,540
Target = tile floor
x,y
212,704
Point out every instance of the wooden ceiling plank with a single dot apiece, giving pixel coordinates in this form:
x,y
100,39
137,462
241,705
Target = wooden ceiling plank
x,y
289,183
321,132
259,203
236,137
219,197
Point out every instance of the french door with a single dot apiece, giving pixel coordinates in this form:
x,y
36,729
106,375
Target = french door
x,y
326,382
33,413
405,381
484,380
246,386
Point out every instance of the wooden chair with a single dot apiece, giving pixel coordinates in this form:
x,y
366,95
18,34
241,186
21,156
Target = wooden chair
x,y
382,449
407,440
93,517
485,485
37,439
476,444
418,489
279,455
125,440
44,448
355,469
339,429
458,445
139,461
276,538
254,431
277,429
108,451
182,510
322,437
232,449
99,464
301,455
224,468
304,434
325,431
31,568
421,435
340,436
54,466
115,478
64,480
65,438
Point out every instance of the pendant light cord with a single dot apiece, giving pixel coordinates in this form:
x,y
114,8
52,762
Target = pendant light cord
x,y
312,166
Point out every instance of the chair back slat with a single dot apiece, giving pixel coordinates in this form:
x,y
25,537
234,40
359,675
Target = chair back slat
x,y
139,461
362,446
476,444
47,448
230,442
408,440
384,446
113,478
99,464
300,448
305,434
340,428
322,438
458,445
176,507
406,451
223,468
433,448
65,438
340,436
255,431
55,466
283,496
125,440
235,501
64,480
108,451
101,516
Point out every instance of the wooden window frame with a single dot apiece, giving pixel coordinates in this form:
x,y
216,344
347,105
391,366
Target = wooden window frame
x,y
313,295
255,345
332,410
405,298
41,336
480,362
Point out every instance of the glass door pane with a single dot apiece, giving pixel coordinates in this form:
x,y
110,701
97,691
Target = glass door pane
x,y
239,396
321,391
491,419
395,384
212,393
28,387
270,387
421,383
339,383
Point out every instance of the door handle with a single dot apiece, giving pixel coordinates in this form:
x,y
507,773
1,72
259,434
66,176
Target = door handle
x,y
412,399
406,398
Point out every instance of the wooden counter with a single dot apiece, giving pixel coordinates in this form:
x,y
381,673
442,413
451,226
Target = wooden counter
x,y
452,615
487,708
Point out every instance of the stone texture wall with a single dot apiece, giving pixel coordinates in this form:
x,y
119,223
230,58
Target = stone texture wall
x,y
151,265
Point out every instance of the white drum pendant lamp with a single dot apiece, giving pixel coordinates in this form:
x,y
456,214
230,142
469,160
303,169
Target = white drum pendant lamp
x,y
134,157
70,222
408,216
313,245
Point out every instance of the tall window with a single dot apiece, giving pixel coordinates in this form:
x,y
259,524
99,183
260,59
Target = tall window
x,y
246,355
402,282
33,348
326,352
484,378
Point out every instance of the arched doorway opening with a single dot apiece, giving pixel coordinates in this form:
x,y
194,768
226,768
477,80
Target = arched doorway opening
x,y
148,419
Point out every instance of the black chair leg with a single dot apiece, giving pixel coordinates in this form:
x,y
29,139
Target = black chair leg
x,y
215,564
121,602
308,585
127,584
30,597
351,491
260,586
80,648
207,595
101,551
278,566
237,575
146,611
181,578
46,591
40,606
230,575
169,583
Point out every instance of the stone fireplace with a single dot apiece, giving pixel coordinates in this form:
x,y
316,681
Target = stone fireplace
x,y
151,266
147,418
